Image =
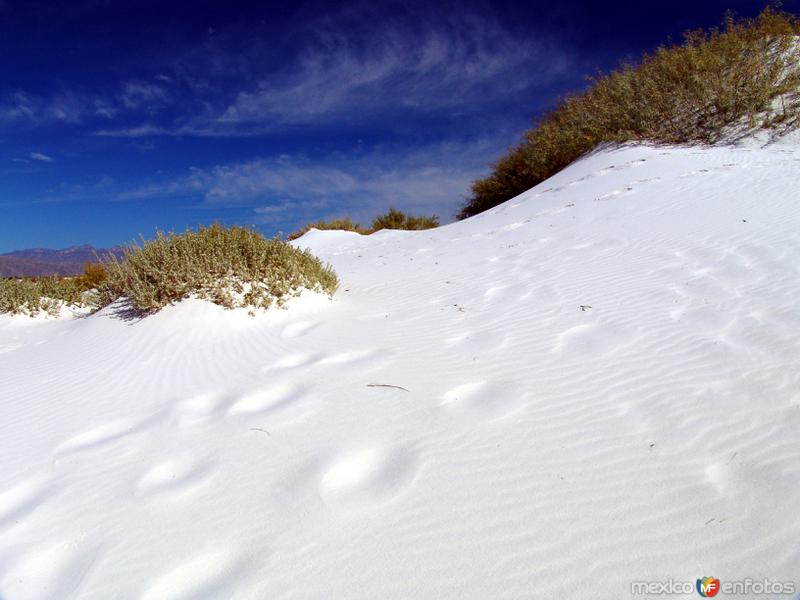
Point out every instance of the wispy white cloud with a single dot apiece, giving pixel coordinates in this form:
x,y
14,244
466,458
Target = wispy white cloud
x,y
32,156
21,106
77,107
467,62
137,131
443,69
142,94
433,179
331,71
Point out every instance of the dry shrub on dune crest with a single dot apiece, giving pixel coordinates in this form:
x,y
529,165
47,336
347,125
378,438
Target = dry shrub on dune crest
x,y
345,224
392,219
397,219
32,295
42,294
717,83
231,266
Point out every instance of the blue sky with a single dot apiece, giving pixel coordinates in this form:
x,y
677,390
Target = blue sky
x,y
117,118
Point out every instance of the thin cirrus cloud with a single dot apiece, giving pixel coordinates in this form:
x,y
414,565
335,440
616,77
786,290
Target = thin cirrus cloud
x,y
33,156
446,70
73,107
432,100
392,71
443,70
142,94
64,107
422,180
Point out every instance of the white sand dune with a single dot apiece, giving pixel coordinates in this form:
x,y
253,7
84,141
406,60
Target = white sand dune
x,y
601,386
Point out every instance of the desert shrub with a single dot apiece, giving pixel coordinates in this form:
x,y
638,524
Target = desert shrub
x,y
392,219
93,275
43,294
231,266
742,76
345,224
397,219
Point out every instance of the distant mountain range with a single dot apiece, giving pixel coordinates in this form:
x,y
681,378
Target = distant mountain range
x,y
44,261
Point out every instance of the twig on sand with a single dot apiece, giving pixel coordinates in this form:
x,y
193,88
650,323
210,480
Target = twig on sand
x,y
260,429
386,385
